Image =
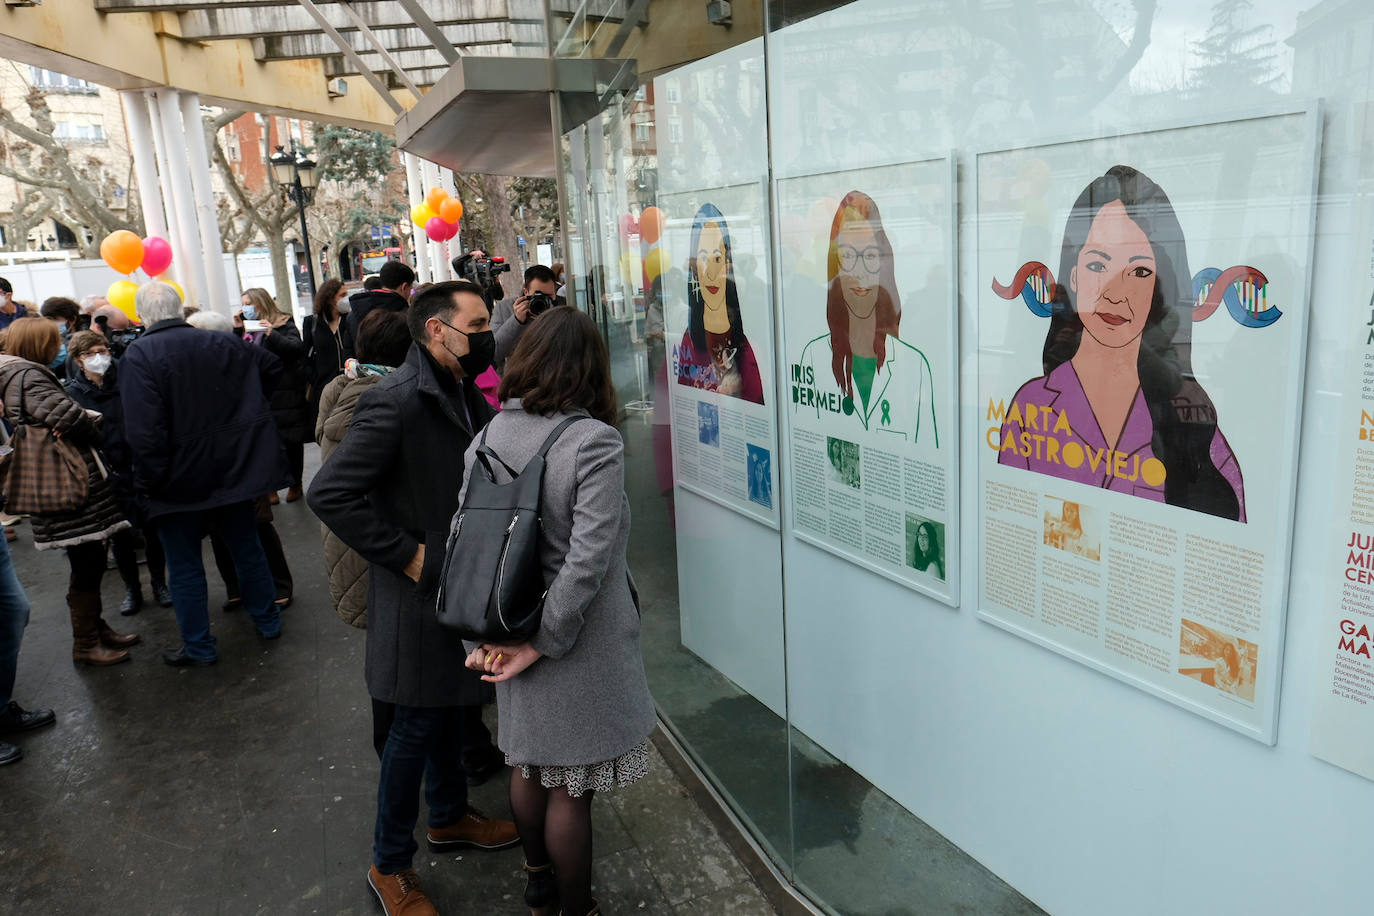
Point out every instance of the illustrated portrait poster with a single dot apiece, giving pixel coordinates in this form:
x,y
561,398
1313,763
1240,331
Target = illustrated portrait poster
x,y
869,342
1142,315
717,316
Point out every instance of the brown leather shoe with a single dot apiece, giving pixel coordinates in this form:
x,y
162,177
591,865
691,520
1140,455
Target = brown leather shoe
x,y
475,829
400,893
294,494
274,498
112,640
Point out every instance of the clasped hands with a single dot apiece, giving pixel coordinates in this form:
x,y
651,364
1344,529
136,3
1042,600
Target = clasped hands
x,y
501,663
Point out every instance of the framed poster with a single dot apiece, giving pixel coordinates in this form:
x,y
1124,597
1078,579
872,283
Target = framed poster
x,y
869,336
1142,319
718,304
1343,707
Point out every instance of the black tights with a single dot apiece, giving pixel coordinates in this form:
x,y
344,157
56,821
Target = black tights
x,y
556,827
124,544
87,561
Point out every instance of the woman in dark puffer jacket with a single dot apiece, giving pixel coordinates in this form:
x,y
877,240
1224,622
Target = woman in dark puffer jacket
x,y
290,406
32,396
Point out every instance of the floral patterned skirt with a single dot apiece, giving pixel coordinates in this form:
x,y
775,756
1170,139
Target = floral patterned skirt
x,y
629,767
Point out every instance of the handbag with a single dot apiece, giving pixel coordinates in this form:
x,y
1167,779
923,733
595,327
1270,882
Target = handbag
x,y
491,585
46,475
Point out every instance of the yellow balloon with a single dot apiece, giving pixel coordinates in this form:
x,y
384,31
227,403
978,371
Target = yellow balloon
x,y
181,293
121,295
421,214
653,265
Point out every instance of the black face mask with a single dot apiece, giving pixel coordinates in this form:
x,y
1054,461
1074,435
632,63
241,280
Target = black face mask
x,y
481,351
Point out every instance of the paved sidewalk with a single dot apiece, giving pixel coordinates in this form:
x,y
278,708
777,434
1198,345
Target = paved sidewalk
x,y
249,787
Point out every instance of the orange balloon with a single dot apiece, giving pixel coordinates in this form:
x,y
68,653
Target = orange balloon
x,y
651,225
451,210
122,250
435,198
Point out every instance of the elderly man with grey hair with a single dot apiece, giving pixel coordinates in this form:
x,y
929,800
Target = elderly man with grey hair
x,y
212,389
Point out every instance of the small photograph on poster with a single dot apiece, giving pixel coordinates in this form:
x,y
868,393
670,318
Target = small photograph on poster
x,y
760,476
868,334
1218,659
925,546
1072,528
844,462
708,424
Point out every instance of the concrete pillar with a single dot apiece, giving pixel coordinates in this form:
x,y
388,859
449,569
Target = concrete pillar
x,y
180,256
414,186
140,127
429,173
197,281
208,220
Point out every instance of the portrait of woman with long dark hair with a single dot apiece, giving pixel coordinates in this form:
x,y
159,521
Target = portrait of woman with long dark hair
x,y
1119,406
714,354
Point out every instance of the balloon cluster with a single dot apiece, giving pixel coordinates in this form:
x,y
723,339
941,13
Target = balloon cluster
x,y
438,214
126,253
651,233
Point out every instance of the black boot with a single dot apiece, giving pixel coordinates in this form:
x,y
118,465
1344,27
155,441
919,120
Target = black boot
x,y
133,601
162,594
541,889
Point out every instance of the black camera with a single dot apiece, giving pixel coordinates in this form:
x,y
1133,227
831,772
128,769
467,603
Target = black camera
x,y
482,271
117,341
540,303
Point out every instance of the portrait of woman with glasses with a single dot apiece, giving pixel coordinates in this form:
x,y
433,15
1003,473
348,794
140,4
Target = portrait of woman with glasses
x,y
862,370
714,354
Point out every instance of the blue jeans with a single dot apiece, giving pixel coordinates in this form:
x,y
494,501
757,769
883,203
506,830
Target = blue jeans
x,y
425,745
14,616
237,526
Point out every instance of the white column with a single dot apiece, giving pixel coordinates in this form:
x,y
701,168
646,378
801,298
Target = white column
x,y
184,200
442,270
199,167
417,239
140,128
180,257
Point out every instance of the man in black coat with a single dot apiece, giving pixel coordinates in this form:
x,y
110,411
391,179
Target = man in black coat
x,y
205,446
393,295
389,492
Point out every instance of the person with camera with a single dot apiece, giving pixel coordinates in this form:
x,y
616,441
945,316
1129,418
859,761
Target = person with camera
x,y
537,296
397,281
94,385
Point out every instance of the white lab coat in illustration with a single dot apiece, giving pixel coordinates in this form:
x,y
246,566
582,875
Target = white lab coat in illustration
x,y
901,403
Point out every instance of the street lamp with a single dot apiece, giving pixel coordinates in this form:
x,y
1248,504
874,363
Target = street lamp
x,y
296,176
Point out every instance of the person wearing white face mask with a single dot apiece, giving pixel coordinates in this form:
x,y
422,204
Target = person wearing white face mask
x,y
329,335
94,385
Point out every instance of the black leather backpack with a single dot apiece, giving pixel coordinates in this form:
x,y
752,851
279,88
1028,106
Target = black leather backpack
x,y
491,588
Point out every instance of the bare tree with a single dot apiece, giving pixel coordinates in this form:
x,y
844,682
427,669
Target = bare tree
x,y
60,182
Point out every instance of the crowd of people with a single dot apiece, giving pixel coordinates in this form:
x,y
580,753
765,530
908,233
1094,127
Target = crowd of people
x,y
154,437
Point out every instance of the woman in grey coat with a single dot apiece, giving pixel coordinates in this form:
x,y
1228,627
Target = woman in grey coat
x,y
574,707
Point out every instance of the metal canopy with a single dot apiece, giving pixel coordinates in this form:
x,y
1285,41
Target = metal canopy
x,y
408,30
493,115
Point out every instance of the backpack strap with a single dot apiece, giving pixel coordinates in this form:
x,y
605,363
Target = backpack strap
x,y
487,456
557,432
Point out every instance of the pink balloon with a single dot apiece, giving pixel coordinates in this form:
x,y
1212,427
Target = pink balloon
x,y
435,229
451,231
157,256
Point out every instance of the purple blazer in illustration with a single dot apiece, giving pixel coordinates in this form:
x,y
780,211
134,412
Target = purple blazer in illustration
x,y
1050,428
